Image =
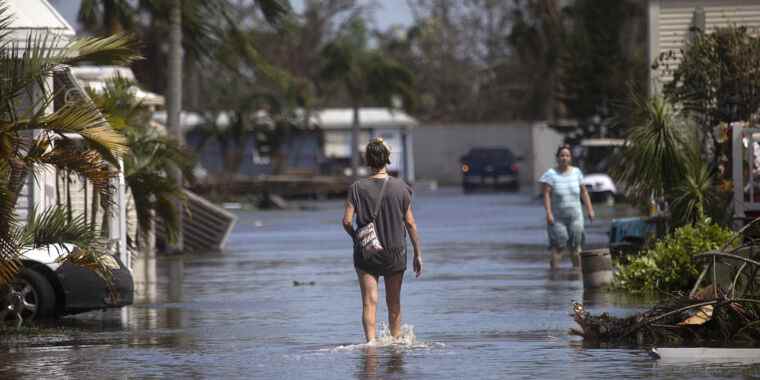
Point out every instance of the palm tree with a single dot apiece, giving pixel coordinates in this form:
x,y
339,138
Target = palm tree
x,y
31,137
152,158
364,74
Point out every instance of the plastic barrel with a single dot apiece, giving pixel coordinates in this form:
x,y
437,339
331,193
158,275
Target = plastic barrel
x,y
596,265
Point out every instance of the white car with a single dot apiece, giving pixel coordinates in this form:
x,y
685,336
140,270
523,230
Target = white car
x,y
600,187
45,288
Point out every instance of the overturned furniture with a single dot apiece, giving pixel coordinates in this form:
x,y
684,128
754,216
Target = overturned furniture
x,y
723,308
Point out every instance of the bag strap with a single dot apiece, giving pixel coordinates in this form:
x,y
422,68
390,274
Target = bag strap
x,y
380,200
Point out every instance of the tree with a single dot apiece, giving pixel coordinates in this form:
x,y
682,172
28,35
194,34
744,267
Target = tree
x,y
585,56
364,74
459,52
537,36
716,82
655,155
661,162
203,25
152,158
31,137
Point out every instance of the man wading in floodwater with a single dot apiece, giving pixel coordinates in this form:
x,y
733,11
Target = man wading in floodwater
x,y
392,198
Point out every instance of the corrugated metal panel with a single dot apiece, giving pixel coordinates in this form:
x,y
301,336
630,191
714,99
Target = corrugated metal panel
x,y
675,17
205,226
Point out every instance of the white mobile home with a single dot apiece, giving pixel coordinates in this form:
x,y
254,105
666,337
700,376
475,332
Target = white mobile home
x,y
394,126
38,20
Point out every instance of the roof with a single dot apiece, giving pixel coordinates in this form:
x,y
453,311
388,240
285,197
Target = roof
x,y
327,119
369,118
95,77
37,19
602,142
36,15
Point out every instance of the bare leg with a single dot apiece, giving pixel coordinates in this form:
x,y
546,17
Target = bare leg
x,y
368,285
393,300
575,257
556,258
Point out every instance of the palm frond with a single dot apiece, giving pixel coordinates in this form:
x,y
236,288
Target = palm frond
x,y
653,158
85,162
10,264
5,22
117,49
157,194
274,11
85,120
25,67
51,227
243,45
83,245
695,192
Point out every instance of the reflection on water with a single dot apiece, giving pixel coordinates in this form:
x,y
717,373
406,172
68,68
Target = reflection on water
x,y
380,363
487,307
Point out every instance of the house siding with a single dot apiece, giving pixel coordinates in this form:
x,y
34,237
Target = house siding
x,y
670,20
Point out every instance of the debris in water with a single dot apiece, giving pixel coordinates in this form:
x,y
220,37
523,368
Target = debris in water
x,y
723,308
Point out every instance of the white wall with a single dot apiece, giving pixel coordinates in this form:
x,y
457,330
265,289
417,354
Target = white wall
x,y
438,147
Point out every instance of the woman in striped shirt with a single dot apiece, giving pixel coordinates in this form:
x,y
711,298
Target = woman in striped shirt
x,y
563,191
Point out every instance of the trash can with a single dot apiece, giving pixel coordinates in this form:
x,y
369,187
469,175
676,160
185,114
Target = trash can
x,y
596,266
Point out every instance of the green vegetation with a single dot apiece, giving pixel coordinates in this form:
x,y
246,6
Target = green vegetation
x,y
31,137
668,266
151,158
366,74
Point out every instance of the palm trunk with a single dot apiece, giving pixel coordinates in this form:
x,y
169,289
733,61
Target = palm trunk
x,y
355,141
94,210
68,196
18,176
174,94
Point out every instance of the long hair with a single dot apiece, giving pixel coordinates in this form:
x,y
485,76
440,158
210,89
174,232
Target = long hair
x,y
377,153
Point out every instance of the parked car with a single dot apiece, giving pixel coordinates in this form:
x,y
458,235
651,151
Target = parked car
x,y
600,187
491,168
47,289
594,156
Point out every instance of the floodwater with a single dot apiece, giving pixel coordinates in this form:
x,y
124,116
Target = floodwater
x,y
283,303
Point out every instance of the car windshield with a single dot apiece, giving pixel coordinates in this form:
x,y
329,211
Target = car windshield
x,y
491,155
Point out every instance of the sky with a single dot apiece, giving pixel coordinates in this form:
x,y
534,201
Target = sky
x,y
389,12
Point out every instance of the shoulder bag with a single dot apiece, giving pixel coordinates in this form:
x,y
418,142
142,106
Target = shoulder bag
x,y
367,235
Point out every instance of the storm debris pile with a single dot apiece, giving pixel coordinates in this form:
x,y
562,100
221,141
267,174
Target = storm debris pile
x,y
723,308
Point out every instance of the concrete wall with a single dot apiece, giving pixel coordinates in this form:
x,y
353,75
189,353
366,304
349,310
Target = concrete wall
x,y
438,148
545,141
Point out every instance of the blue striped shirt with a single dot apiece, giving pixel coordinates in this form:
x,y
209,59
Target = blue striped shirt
x,y
566,188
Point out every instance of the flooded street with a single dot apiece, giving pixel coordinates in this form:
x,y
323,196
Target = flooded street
x,y
283,302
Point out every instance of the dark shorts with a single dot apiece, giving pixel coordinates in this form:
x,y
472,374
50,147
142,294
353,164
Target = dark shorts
x,y
385,263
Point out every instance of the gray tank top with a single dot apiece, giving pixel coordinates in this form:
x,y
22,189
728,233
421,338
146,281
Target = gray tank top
x,y
389,222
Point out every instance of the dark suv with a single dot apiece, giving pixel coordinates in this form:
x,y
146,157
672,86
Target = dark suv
x,y
493,168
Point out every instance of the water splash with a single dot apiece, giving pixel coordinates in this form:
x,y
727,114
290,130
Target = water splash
x,y
405,340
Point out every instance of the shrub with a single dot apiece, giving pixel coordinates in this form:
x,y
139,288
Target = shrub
x,y
668,266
